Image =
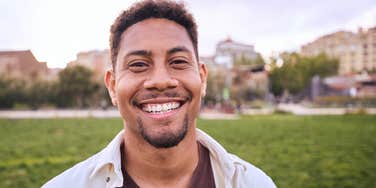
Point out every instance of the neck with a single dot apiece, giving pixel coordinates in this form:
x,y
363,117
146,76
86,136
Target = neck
x,y
165,167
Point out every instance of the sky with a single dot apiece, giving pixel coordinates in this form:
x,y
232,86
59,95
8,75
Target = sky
x,y
55,31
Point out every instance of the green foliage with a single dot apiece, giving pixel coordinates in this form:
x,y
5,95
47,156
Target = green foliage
x,y
215,87
245,61
296,72
76,86
282,112
275,77
296,151
40,93
11,92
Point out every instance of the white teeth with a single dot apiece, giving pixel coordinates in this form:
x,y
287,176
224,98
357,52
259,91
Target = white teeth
x,y
148,108
165,107
160,108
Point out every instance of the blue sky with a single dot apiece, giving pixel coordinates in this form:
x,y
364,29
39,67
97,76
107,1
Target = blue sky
x,y
56,31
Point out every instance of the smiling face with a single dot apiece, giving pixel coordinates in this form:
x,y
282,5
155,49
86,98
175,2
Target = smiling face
x,y
157,82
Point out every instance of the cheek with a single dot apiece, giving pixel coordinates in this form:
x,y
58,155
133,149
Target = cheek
x,y
122,91
194,85
125,88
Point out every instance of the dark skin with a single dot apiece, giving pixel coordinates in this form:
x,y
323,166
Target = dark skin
x,y
156,64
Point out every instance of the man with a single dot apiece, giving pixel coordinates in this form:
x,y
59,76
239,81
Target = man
x,y
157,84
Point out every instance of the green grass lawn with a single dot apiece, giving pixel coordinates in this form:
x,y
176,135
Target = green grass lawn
x,y
306,151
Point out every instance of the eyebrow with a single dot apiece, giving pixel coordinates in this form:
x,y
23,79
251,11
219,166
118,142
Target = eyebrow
x,y
178,49
149,53
139,53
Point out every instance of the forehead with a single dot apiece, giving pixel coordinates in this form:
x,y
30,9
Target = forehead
x,y
154,34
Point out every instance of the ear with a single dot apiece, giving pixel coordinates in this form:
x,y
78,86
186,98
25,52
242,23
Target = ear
x,y
203,76
109,80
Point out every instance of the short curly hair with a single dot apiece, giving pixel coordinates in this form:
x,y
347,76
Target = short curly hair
x,y
146,9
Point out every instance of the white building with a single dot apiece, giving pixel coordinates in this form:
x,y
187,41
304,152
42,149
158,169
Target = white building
x,y
228,51
96,60
356,51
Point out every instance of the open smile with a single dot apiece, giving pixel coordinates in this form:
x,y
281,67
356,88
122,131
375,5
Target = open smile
x,y
161,108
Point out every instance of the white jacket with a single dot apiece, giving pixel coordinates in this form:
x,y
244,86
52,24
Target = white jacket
x,y
103,170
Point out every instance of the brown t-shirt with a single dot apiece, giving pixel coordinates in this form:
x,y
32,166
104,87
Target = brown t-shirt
x,y
202,176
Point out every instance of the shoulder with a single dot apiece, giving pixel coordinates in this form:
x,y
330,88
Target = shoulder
x,y
248,175
76,176
96,171
231,171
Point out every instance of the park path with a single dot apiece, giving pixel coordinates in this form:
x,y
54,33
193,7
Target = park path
x,y
113,113
17,114
301,110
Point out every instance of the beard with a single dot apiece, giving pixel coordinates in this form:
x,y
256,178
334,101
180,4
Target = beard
x,y
166,139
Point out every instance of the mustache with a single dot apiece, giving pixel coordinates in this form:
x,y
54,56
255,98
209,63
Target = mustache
x,y
165,94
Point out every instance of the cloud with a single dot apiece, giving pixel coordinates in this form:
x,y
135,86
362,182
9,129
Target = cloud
x,y
366,20
272,25
56,31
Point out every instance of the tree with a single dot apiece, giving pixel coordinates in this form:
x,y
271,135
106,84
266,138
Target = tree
x,y
39,93
296,72
75,87
258,61
12,91
215,86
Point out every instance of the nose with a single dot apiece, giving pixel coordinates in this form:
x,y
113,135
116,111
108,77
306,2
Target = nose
x,y
160,79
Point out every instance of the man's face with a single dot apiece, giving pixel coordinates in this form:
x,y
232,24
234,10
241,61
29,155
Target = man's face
x,y
157,82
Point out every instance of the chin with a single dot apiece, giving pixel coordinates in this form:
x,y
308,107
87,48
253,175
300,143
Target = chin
x,y
166,136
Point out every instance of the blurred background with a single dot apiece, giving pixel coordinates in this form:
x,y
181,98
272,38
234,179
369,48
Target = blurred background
x,y
293,81
259,54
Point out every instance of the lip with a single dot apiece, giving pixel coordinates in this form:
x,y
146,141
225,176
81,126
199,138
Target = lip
x,y
162,100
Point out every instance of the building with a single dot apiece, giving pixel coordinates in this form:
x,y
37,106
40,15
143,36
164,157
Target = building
x,y
226,82
22,65
356,51
95,60
368,45
228,51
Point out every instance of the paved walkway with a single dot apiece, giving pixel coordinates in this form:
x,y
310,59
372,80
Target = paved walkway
x,y
37,114
301,110
113,113
16,114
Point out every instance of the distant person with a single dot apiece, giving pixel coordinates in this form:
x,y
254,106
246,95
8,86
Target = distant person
x,y
157,84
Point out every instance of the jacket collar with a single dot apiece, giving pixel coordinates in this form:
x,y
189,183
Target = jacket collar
x,y
218,154
111,155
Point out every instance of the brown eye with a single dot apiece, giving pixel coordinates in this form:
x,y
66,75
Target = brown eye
x,y
138,66
179,64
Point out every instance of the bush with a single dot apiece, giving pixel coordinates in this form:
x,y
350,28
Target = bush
x,y
74,88
11,92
